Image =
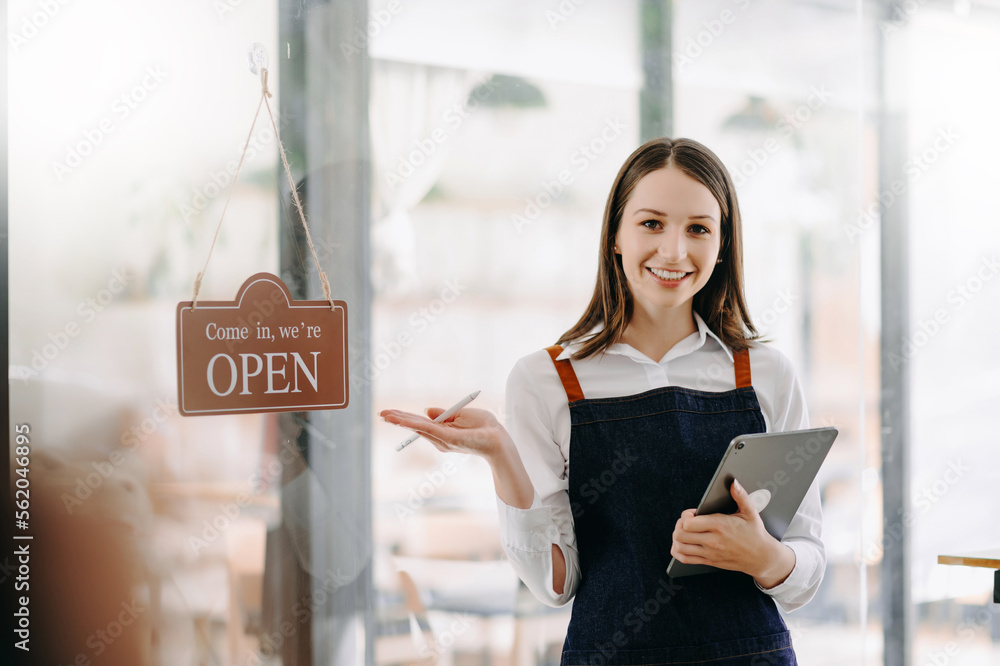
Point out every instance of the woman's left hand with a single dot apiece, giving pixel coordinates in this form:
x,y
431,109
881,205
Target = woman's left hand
x,y
736,542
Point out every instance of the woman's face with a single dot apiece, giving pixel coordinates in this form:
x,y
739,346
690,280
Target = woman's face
x,y
669,240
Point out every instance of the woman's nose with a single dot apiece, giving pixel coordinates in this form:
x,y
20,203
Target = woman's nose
x,y
672,246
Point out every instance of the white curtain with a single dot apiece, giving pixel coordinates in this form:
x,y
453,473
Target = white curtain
x,y
415,112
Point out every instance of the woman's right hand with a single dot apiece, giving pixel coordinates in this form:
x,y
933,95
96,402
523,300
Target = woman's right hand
x,y
473,431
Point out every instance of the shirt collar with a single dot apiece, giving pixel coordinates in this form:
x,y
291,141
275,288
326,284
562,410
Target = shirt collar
x,y
703,333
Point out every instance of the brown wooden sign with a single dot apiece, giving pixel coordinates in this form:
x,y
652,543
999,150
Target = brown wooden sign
x,y
262,352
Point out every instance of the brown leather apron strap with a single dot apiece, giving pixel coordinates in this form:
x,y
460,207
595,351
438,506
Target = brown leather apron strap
x,y
741,361
566,374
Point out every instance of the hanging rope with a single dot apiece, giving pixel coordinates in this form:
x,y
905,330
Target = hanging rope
x,y
264,95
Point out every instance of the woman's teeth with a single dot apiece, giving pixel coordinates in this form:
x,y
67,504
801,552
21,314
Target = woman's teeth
x,y
667,275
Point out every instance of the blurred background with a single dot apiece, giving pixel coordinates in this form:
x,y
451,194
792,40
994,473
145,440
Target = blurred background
x,y
455,158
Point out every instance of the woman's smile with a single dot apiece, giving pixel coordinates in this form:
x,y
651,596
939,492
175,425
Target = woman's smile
x,y
669,278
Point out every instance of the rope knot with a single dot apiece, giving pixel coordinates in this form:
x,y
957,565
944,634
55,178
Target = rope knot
x,y
197,288
263,83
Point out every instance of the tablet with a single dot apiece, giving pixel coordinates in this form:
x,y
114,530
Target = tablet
x,y
775,468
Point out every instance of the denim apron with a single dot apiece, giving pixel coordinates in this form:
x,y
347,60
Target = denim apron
x,y
636,463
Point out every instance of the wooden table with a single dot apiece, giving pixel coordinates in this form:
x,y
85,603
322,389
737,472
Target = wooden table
x,y
990,559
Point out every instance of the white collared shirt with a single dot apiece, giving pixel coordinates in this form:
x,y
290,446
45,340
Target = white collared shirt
x,y
538,420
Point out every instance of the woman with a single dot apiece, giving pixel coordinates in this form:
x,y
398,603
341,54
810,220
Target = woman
x,y
615,432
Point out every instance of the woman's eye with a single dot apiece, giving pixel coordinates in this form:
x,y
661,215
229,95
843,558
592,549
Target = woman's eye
x,y
650,224
699,229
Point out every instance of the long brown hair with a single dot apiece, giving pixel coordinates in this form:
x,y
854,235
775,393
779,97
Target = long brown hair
x,y
720,302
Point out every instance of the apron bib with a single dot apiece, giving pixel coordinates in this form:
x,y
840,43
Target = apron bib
x,y
636,463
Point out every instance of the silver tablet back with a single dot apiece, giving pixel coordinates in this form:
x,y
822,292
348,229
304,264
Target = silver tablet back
x,y
775,468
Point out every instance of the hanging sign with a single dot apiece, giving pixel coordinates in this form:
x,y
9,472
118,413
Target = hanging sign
x,y
262,352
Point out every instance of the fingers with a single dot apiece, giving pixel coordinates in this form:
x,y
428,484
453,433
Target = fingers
x,y
427,428
744,502
393,415
688,537
446,436
473,431
691,523
686,516
708,547
440,444
687,554
690,549
404,419
739,494
688,541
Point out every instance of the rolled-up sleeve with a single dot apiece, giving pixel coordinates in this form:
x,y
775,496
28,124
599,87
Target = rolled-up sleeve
x,y
785,407
527,535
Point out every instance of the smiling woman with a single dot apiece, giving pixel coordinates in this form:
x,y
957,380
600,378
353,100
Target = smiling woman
x,y
577,523
673,209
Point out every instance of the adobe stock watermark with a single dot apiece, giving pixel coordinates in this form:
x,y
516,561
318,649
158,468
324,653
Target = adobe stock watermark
x,y
130,440
451,120
445,638
563,11
591,491
797,459
33,23
541,541
229,512
693,47
121,109
378,20
786,127
301,611
218,180
901,12
417,323
101,640
637,618
581,159
593,488
720,371
781,304
87,311
958,297
224,7
924,499
913,168
426,489
967,631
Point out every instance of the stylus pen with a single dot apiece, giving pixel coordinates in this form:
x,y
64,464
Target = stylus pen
x,y
446,414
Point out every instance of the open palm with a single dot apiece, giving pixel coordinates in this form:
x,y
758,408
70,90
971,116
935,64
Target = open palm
x,y
469,431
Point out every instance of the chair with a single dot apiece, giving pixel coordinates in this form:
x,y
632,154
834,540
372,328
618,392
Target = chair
x,y
245,544
403,633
